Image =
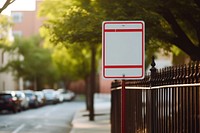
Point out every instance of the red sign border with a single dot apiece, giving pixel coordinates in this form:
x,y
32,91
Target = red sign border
x,y
123,66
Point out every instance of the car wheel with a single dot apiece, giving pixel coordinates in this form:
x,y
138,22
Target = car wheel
x,y
20,109
14,110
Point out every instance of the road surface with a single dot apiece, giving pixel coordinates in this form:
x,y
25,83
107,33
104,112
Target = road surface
x,y
48,119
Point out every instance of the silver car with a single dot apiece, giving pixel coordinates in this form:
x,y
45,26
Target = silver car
x,y
24,100
67,95
51,96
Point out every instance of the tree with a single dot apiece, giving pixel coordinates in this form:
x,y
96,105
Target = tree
x,y
6,4
78,24
73,64
83,68
27,58
168,23
66,64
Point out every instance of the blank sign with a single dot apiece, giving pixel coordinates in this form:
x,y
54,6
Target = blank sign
x,y
123,49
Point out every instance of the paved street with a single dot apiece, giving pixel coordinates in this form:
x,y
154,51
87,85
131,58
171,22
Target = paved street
x,y
48,119
101,124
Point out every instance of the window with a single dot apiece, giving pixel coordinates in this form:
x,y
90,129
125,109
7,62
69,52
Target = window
x,y
17,17
17,33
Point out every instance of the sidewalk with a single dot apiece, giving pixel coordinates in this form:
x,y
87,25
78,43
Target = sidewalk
x,y
101,124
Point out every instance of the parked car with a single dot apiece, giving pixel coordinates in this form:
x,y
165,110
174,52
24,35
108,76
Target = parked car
x,y
51,96
40,97
24,101
60,96
33,101
9,102
67,95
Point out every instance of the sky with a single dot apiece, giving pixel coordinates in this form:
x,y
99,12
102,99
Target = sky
x,y
25,5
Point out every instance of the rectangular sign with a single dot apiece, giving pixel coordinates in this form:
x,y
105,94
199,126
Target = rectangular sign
x,y
123,45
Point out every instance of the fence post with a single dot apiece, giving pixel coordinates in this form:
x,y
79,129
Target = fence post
x,y
153,119
153,72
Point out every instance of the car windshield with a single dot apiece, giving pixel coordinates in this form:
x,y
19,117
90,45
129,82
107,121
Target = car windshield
x,y
19,95
29,94
48,93
39,94
5,96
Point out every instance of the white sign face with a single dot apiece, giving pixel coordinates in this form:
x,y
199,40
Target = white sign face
x,y
123,45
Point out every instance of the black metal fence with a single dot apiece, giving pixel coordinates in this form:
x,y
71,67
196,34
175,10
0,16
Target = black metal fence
x,y
165,101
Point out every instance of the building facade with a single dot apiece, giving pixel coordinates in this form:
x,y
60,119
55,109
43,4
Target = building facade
x,y
26,23
7,80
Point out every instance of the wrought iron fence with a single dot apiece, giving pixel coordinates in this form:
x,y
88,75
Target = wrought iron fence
x,y
165,101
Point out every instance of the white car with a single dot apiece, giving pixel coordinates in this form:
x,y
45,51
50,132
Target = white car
x,y
51,96
23,98
66,95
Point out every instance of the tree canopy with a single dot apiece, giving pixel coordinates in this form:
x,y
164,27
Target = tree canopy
x,y
78,24
72,25
28,57
167,23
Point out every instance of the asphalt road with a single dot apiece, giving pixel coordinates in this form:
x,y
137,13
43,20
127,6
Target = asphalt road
x,y
48,119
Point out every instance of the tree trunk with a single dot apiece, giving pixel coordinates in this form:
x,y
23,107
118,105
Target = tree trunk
x,y
92,82
6,4
67,84
192,50
182,41
87,93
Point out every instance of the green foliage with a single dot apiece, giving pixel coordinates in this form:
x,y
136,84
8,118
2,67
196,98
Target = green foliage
x,y
63,61
75,28
167,23
30,61
72,63
75,25
53,8
5,24
78,22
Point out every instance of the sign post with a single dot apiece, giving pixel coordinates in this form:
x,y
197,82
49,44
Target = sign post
x,y
123,106
123,55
